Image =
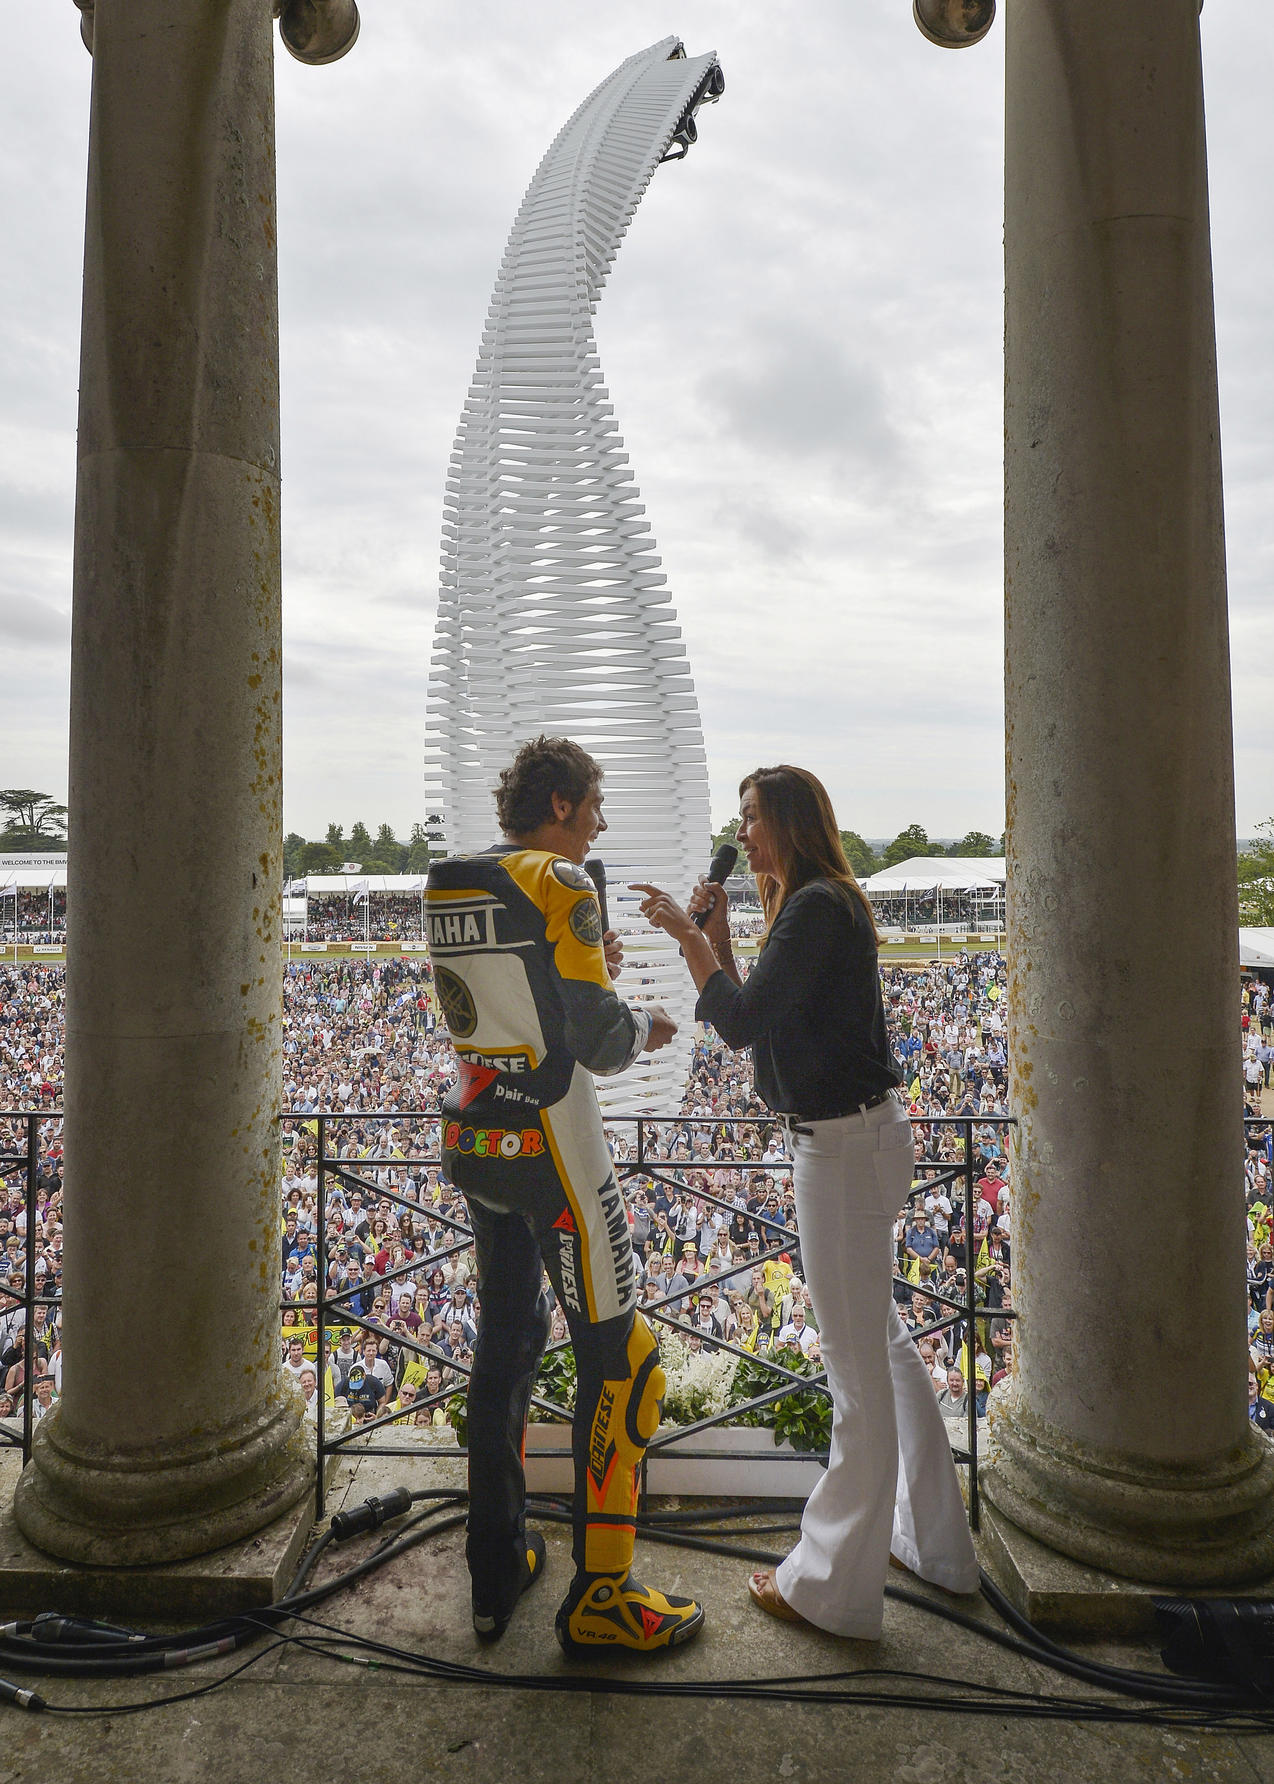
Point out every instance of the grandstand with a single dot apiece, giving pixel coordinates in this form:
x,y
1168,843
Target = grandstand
x,y
357,908
33,906
938,897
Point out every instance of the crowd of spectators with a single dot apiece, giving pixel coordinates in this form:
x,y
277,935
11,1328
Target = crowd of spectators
x,y
709,1197
970,909
32,1000
1256,1018
34,917
1257,1022
371,916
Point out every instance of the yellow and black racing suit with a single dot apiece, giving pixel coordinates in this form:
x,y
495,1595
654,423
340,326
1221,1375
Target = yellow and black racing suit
x,y
515,937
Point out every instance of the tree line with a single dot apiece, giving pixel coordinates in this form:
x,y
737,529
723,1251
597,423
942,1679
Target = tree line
x,y
382,853
35,823
913,841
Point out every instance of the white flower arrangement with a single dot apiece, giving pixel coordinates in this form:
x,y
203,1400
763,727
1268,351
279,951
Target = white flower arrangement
x,y
699,1383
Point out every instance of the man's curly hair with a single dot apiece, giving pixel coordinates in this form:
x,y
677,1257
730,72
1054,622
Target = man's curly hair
x,y
546,765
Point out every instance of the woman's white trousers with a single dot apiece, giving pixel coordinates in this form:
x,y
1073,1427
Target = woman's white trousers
x,y
890,1480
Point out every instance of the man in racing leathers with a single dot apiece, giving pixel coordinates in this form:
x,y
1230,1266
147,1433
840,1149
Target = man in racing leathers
x,y
522,972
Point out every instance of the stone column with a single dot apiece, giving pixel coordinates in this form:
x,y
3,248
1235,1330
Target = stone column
x,y
1123,1435
175,1433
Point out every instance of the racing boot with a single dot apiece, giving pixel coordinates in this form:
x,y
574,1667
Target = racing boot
x,y
489,1625
602,1613
606,1607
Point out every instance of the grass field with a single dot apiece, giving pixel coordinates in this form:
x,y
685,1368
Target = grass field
x,y
914,950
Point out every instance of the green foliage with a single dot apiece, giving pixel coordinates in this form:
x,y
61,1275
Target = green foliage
x,y
975,845
32,820
914,840
16,841
457,1410
803,1417
386,854
319,857
556,1380
860,855
388,848
1256,879
426,844
294,846
383,855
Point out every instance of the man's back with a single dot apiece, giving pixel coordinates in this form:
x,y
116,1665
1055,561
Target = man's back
x,y
515,940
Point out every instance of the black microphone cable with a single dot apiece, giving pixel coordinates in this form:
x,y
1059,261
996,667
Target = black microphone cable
x,y
66,1646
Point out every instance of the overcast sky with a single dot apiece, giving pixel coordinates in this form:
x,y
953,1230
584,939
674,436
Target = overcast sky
x,y
802,339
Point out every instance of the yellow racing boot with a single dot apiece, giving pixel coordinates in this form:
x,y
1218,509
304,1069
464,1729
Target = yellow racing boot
x,y
602,1613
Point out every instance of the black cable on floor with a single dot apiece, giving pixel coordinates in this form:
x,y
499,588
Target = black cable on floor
x,y
962,1697
81,1648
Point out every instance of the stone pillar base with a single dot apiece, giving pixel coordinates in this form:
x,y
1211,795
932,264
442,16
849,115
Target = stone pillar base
x,y
1069,1601
1168,1523
135,1507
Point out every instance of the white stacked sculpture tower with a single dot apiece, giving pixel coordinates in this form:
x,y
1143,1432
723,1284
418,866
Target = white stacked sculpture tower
x,y
553,614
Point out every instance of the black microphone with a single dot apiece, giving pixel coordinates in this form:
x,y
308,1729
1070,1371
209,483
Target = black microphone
x,y
719,871
596,871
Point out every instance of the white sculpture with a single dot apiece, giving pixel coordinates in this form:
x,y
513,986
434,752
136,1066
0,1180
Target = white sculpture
x,y
553,615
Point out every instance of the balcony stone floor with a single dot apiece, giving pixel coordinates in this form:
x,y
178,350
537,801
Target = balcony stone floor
x,y
296,1717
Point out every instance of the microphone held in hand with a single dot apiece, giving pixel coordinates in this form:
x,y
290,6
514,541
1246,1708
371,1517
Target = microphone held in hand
x,y
719,871
596,871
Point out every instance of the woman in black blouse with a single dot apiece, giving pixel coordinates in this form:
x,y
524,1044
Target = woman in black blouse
x,y
812,1013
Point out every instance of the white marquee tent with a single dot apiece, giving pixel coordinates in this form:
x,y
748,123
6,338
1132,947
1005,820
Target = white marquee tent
x,y
925,873
318,884
1256,947
952,896
31,879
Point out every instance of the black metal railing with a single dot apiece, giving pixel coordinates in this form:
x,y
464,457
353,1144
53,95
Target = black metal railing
x,y
648,1159
27,1160
20,1154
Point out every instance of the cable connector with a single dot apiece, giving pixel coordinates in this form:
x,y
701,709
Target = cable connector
x,y
19,1695
49,1627
371,1514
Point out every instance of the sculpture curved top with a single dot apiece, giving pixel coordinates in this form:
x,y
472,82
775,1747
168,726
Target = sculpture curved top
x,y
553,615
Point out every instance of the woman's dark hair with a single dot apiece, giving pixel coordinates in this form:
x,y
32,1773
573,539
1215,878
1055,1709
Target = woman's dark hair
x,y
546,765
801,826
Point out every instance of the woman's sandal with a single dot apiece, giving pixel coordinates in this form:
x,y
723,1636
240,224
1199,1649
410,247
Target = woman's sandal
x,y
763,1590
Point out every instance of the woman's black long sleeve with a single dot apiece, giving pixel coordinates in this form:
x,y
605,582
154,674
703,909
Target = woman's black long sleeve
x,y
811,1009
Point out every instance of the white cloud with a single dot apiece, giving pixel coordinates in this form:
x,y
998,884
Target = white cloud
x,y
801,337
